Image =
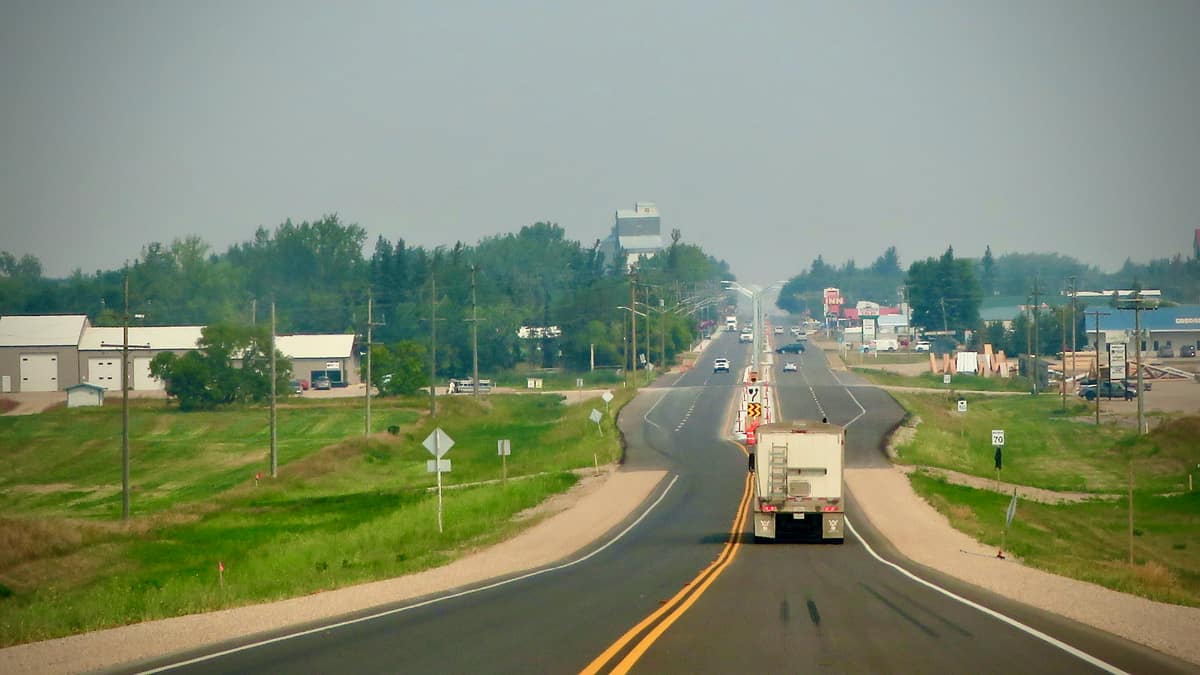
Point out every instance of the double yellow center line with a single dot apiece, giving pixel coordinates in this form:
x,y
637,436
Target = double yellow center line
x,y
646,633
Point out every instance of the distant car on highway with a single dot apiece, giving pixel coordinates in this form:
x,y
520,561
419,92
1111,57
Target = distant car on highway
x,y
792,348
789,367
779,330
720,365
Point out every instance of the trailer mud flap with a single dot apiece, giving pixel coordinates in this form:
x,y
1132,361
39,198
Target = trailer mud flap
x,y
832,525
764,525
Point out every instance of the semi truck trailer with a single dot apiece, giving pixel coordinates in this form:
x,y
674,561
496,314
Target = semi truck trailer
x,y
797,476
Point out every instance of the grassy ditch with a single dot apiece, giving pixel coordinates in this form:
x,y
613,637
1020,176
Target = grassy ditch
x,y
345,509
1045,448
1090,540
934,381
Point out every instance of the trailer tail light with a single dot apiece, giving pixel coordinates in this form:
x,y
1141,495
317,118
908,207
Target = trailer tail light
x,y
829,508
769,507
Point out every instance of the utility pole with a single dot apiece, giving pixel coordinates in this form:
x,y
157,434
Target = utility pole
x,y
945,324
253,311
1138,304
370,326
1037,309
633,321
1063,378
1096,342
274,425
433,344
125,346
649,328
125,405
1074,321
474,334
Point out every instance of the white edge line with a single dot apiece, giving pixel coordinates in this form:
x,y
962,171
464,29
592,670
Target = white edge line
x,y
431,601
1073,651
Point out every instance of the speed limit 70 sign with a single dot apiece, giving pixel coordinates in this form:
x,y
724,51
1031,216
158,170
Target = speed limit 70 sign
x,y
997,437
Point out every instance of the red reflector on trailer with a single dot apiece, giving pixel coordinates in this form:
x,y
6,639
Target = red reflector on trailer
x,y
768,507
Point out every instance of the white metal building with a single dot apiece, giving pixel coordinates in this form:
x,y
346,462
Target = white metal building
x,y
100,353
37,353
312,356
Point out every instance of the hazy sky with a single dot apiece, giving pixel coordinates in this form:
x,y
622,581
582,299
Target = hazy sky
x,y
767,132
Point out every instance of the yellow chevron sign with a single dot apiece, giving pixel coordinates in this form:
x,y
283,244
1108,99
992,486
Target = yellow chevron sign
x,y
753,410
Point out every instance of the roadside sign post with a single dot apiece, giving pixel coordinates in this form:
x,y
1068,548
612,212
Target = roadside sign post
x,y
596,417
438,444
1008,518
998,442
962,405
608,397
504,449
946,378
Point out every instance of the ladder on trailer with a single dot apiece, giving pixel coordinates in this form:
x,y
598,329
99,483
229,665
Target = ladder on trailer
x,y
777,470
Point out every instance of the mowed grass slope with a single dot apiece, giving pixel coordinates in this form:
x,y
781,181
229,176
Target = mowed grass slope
x,y
1047,449
1090,540
345,509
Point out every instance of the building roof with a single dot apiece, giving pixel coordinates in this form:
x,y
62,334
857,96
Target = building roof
x,y
87,385
107,338
640,242
336,346
41,331
1178,318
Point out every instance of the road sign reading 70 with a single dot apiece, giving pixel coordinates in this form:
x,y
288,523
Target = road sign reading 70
x,y
997,437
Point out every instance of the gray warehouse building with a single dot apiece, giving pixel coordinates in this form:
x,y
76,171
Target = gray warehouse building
x,y
38,353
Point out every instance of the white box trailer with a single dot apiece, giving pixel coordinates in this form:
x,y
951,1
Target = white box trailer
x,y
798,486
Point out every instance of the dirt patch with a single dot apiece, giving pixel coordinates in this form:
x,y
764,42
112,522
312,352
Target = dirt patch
x,y
1023,491
7,405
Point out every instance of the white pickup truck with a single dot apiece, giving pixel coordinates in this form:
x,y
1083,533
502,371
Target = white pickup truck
x,y
798,487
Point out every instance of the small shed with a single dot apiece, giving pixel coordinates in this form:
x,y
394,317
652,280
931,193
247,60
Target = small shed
x,y
84,394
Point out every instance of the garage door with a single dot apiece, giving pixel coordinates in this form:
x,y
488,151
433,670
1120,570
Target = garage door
x,y
142,379
105,372
39,372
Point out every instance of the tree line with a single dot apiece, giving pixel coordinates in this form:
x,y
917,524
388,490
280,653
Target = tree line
x,y
320,281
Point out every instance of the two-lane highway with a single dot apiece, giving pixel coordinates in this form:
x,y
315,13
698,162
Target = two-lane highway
x,y
680,590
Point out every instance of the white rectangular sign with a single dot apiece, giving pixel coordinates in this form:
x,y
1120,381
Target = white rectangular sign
x,y
503,447
997,437
333,365
1116,360
752,395
962,405
437,465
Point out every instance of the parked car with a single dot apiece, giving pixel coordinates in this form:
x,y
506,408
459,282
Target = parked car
x,y
295,386
1187,351
921,346
322,382
1165,352
792,348
789,367
720,365
1109,389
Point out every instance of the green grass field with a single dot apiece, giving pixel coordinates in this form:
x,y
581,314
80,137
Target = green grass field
x,y
1047,449
344,510
958,382
1088,541
1044,448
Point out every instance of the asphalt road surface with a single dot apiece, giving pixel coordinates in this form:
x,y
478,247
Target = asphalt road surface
x,y
684,590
